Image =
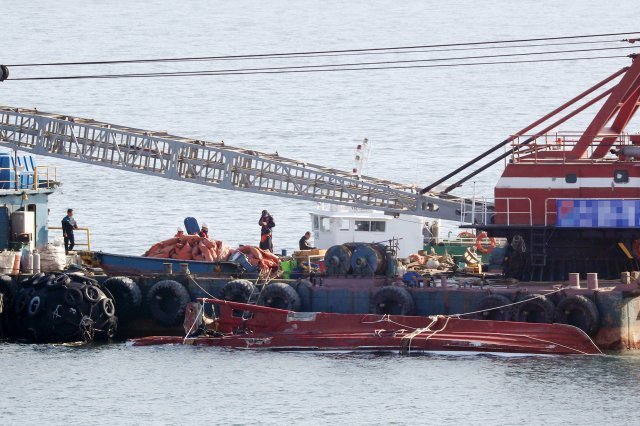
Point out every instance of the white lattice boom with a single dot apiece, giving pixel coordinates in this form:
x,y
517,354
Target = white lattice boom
x,y
213,164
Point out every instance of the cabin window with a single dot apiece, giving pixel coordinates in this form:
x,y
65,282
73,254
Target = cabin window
x,y
370,226
325,224
316,222
378,226
344,225
571,178
621,176
362,225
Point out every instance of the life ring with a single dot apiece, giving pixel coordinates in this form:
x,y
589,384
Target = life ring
x,y
281,296
636,249
393,300
494,308
237,291
168,301
482,248
536,308
126,296
579,311
466,234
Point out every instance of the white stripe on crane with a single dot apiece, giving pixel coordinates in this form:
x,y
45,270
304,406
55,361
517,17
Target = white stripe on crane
x,y
560,183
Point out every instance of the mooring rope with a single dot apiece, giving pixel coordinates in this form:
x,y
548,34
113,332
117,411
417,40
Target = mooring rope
x,y
195,321
507,305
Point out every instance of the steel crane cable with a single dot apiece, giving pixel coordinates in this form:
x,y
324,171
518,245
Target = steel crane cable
x,y
307,55
384,65
339,51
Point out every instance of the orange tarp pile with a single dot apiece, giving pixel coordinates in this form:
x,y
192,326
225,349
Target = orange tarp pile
x,y
194,247
265,260
190,247
417,258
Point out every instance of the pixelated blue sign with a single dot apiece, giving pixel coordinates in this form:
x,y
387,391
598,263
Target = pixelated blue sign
x,y
598,213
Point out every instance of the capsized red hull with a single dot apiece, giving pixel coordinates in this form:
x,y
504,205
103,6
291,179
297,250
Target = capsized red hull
x,y
276,329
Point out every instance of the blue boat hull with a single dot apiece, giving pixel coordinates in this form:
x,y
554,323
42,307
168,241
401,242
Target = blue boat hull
x,y
119,264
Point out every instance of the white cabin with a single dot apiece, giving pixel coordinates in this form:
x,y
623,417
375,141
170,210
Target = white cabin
x,y
333,225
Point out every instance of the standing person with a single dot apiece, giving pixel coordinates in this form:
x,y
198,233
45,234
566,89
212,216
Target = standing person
x,y
304,242
266,222
204,231
68,226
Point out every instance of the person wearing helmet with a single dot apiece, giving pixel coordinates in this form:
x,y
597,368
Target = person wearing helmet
x,y
179,233
204,231
266,223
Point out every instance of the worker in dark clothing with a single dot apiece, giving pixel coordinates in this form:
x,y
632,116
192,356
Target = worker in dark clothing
x,y
204,231
68,226
266,224
304,242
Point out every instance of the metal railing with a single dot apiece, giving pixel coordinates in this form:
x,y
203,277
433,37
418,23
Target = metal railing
x,y
556,146
82,236
482,214
42,177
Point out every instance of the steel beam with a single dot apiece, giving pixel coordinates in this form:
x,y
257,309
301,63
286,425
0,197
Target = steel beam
x,y
215,164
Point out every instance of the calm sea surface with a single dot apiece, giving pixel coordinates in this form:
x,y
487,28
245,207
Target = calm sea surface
x,y
421,123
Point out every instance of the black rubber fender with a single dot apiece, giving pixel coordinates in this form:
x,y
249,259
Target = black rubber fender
x,y
9,288
168,301
281,296
126,296
393,300
237,291
28,282
43,280
493,308
107,328
579,311
59,281
107,307
35,306
536,308
73,296
92,293
22,301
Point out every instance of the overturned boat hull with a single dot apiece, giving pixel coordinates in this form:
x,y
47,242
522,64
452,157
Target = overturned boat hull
x,y
242,326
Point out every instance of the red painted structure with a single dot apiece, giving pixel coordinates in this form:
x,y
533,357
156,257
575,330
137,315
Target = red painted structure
x,y
277,329
543,165
598,166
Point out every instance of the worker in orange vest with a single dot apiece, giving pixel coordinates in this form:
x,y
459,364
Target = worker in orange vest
x,y
266,224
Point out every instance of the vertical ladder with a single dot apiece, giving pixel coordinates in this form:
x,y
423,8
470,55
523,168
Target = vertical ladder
x,y
253,298
538,251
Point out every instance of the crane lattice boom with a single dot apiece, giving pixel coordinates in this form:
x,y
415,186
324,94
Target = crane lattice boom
x,y
215,164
